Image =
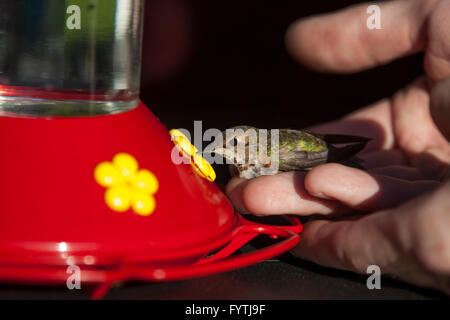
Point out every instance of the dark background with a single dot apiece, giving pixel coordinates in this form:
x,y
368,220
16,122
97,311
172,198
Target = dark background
x,y
225,62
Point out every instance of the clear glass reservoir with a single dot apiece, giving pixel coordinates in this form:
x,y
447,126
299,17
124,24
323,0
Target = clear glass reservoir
x,y
69,57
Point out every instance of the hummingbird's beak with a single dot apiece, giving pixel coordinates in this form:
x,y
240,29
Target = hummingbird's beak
x,y
220,149
223,152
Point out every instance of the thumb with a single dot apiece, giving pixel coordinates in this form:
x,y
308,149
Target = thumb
x,y
440,106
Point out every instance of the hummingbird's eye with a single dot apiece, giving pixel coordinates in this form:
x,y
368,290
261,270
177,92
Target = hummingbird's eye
x,y
233,142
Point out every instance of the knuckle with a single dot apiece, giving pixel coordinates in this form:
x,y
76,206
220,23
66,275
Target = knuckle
x,y
435,257
433,245
354,258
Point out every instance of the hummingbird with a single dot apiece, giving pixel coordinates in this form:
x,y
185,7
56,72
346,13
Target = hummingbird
x,y
253,152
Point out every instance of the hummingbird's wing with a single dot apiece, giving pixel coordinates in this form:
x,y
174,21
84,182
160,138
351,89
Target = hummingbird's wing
x,y
300,150
301,160
347,154
338,154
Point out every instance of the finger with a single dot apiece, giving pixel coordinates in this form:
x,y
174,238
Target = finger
x,y
399,172
342,41
403,122
383,158
283,193
416,133
349,245
440,107
360,190
385,239
373,121
234,191
434,163
414,128
437,54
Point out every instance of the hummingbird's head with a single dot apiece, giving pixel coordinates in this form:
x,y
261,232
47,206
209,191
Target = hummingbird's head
x,y
235,141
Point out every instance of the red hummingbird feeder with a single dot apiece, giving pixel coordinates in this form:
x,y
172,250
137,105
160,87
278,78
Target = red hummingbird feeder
x,y
87,177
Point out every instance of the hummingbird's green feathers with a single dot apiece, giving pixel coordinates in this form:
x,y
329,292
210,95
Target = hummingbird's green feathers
x,y
300,150
300,141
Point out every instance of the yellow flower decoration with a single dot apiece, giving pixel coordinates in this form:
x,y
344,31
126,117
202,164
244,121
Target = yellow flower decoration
x,y
200,165
127,186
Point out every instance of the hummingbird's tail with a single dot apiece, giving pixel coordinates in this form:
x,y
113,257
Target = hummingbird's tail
x,y
345,155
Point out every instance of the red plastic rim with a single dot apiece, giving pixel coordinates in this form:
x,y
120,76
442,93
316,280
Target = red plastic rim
x,y
188,267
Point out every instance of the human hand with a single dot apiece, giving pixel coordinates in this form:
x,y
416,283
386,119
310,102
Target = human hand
x,y
408,156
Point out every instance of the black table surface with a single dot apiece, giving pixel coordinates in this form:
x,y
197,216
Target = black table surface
x,y
282,278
